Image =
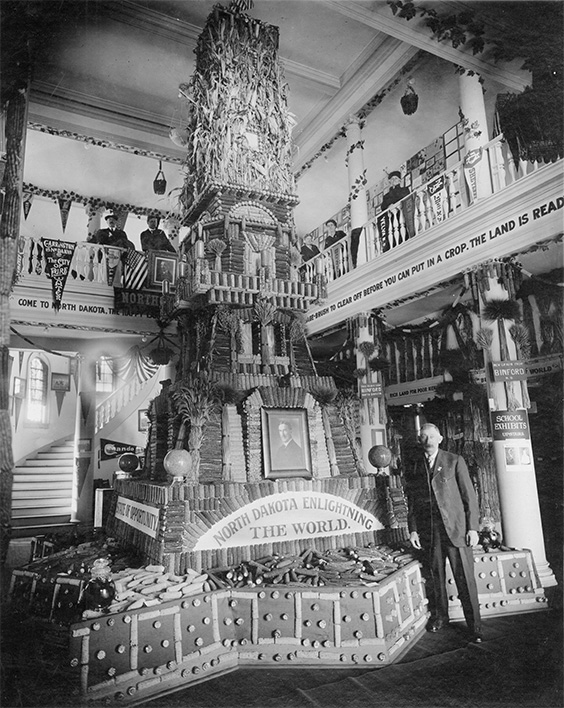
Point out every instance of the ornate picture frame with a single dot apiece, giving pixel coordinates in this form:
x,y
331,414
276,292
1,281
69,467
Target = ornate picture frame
x,y
285,443
162,267
143,421
60,382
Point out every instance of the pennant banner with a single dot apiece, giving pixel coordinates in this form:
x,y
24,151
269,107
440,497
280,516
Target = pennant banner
x,y
110,449
113,256
471,166
58,257
27,200
438,194
60,396
64,208
383,224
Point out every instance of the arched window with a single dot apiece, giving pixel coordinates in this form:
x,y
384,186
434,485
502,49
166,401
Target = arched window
x,y
104,375
37,390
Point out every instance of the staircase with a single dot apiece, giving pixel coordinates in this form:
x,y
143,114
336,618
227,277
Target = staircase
x,y
42,491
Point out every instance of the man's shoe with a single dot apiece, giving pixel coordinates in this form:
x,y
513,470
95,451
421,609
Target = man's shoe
x,y
477,638
436,625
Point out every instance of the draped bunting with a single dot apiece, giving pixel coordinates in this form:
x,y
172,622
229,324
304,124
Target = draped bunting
x,y
133,364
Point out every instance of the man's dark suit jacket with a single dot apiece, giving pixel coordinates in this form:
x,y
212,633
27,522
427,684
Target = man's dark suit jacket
x,y
288,457
155,241
454,493
107,237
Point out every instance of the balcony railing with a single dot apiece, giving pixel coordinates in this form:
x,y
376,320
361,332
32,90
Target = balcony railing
x,y
435,202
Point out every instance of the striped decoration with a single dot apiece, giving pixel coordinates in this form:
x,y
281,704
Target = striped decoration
x,y
135,270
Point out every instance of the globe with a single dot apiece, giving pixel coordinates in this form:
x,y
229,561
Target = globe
x,y
128,462
178,464
379,456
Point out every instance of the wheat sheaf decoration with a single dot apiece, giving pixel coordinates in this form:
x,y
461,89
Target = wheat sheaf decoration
x,y
498,309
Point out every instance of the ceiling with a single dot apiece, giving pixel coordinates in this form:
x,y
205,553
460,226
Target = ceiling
x,y
110,70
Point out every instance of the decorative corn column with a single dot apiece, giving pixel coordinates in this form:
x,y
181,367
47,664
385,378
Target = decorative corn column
x,y
85,429
509,401
357,187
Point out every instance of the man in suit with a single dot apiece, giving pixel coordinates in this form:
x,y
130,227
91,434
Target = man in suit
x,y
443,521
288,455
153,238
111,236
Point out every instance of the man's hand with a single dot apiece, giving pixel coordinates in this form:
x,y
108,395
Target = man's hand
x,y
472,538
414,540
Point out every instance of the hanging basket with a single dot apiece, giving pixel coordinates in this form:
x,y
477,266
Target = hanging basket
x,y
159,183
409,101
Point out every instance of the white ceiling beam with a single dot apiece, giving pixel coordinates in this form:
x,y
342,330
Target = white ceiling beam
x,y
374,75
417,34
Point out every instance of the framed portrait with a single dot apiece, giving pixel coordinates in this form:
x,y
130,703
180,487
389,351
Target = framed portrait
x,y
60,382
143,421
19,387
285,443
162,267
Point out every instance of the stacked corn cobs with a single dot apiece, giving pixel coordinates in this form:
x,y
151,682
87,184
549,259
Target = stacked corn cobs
x,y
239,125
350,566
151,585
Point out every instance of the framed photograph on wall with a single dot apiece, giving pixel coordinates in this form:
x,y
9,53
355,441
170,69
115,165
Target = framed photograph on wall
x,y
143,421
162,267
60,382
285,443
19,387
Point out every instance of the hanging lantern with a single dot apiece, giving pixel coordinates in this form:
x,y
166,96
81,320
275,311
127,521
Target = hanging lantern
x,y
410,100
159,183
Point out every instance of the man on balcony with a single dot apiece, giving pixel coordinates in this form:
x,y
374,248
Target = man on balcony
x,y
153,238
394,195
111,236
331,239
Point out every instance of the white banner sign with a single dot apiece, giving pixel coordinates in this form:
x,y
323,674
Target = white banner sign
x,y
140,516
288,516
413,391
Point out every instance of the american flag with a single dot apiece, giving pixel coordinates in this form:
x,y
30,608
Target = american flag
x,y
135,270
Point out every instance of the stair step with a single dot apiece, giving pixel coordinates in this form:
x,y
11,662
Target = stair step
x,y
45,471
39,491
41,513
42,483
54,462
43,480
34,502
32,526
61,455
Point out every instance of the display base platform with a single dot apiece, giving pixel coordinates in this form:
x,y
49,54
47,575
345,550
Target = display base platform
x,y
134,655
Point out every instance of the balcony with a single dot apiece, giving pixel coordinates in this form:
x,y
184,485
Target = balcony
x,y
438,232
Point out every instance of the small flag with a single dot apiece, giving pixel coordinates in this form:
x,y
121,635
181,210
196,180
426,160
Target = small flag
x,y
64,208
27,199
135,270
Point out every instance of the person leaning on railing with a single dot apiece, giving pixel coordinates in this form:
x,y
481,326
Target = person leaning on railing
x,y
111,236
153,238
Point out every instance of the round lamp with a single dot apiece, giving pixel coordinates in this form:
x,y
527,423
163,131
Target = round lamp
x,y
178,464
379,456
128,462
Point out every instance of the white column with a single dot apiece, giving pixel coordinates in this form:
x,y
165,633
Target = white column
x,y
357,182
476,136
515,466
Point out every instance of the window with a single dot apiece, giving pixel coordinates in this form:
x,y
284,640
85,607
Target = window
x,y
38,379
104,375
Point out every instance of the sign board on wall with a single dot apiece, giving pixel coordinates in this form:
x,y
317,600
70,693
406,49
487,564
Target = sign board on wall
x,y
510,425
141,516
370,390
413,391
288,516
